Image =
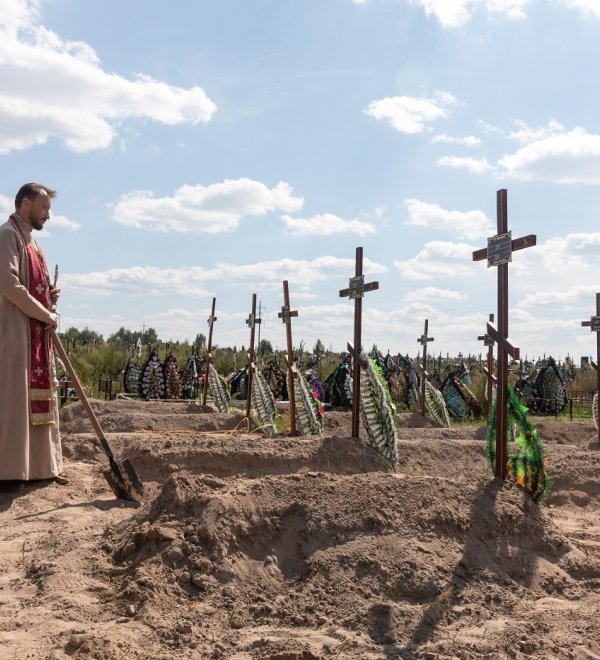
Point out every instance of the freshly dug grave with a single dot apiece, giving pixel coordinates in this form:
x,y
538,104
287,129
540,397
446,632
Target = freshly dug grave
x,y
300,548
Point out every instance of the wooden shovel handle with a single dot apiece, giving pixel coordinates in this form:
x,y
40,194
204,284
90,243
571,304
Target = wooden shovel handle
x,y
80,391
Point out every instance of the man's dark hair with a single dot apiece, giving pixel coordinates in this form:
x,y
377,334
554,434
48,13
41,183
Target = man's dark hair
x,y
31,191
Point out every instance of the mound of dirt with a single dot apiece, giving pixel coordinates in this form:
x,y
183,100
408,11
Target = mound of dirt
x,y
300,548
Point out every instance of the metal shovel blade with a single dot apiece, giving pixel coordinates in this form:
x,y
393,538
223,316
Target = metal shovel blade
x,y
124,481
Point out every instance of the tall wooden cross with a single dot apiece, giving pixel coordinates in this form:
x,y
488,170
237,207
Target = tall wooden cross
x,y
423,340
356,291
594,326
499,253
286,317
251,322
488,341
211,320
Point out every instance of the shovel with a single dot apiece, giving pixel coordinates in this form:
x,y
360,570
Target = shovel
x,y
121,476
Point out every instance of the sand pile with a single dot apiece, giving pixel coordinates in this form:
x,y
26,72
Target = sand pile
x,y
300,548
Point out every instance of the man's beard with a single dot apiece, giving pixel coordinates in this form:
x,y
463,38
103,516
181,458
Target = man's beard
x,y
36,223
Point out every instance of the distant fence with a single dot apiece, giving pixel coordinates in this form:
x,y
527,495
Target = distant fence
x,y
109,387
580,404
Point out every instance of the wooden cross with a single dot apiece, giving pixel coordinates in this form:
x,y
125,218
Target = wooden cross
x,y
251,322
211,321
594,325
488,370
499,253
356,291
286,317
423,339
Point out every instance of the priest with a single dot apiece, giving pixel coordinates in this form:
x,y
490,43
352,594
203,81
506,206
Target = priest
x,y
29,434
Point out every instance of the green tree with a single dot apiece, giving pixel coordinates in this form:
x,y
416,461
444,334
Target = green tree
x,y
264,348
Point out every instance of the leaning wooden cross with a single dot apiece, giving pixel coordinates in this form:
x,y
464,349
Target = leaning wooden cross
x,y
211,320
594,325
488,370
356,291
423,339
251,322
499,253
286,317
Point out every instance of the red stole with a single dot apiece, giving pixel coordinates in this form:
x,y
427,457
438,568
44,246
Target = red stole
x,y
41,408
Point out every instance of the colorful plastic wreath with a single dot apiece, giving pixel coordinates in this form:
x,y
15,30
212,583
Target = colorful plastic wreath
x,y
526,464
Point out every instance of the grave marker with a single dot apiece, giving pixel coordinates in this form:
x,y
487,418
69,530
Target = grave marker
x,y
211,320
251,322
356,291
499,254
594,325
488,370
423,340
286,317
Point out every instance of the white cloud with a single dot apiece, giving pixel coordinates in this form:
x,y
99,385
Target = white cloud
x,y
36,62
588,8
467,224
326,224
193,281
573,296
6,205
568,157
438,259
467,141
527,134
409,114
433,293
212,209
63,222
488,128
475,165
454,13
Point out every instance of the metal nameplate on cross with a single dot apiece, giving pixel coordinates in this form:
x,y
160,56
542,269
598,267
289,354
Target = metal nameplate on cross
x,y
593,323
286,314
251,321
487,339
357,288
423,339
501,246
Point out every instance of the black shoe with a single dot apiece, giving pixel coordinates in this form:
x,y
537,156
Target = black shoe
x,y
10,484
61,481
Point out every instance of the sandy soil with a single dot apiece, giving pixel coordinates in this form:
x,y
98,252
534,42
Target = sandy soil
x,y
299,548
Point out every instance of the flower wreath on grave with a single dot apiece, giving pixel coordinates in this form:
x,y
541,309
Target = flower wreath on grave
x,y
263,404
339,386
275,378
309,408
218,389
377,410
551,389
173,380
526,465
316,387
152,381
436,405
131,378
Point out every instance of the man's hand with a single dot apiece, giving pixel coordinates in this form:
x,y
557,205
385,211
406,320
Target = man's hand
x,y
54,294
53,323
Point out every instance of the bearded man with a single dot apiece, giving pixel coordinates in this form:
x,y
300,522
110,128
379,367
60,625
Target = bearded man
x,y
29,435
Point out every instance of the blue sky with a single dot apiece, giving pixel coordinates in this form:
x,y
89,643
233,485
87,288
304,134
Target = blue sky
x,y
206,149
